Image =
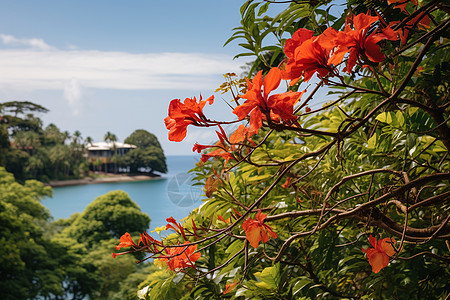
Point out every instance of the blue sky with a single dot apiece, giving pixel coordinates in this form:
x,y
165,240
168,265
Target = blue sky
x,y
115,65
109,65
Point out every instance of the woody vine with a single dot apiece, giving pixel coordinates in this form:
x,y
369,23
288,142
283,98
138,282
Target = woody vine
x,y
348,199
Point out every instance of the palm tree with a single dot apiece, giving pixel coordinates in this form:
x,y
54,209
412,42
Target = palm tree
x,y
76,137
66,135
77,147
112,138
88,141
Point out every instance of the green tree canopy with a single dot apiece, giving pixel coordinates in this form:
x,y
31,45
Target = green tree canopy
x,y
86,237
107,217
148,154
18,115
142,139
27,262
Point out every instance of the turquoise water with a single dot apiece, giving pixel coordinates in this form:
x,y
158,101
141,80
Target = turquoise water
x,y
172,195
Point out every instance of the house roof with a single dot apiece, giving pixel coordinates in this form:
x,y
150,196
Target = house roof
x,y
109,146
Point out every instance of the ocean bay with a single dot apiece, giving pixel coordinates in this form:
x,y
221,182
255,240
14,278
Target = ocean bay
x,y
170,195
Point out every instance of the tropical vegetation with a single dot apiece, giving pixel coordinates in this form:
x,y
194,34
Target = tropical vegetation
x,y
67,258
30,151
307,198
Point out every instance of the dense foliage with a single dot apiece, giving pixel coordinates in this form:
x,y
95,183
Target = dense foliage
x,y
27,258
68,258
30,151
306,199
87,238
148,155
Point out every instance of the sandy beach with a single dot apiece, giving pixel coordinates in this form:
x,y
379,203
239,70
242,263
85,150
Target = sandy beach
x,y
108,178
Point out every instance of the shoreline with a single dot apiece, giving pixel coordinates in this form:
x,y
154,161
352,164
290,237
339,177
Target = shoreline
x,y
110,179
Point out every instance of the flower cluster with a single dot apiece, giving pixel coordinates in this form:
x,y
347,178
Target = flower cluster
x,y
306,55
181,257
176,257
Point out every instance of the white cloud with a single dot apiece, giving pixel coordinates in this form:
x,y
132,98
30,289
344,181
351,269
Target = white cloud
x,y
51,69
73,94
32,43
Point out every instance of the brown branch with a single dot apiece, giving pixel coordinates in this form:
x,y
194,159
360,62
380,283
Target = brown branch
x,y
345,179
253,150
280,127
331,104
312,169
311,95
431,200
296,214
428,34
445,259
414,183
386,223
424,8
397,91
399,205
257,201
411,233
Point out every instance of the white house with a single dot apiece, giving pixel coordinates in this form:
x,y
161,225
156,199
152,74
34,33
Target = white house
x,y
101,153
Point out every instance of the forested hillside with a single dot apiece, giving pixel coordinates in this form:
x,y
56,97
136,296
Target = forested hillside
x,y
31,151
68,258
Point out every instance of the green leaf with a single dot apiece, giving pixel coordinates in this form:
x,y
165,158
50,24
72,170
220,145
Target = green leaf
x,y
263,8
400,118
244,7
269,277
300,284
259,177
372,142
244,54
386,117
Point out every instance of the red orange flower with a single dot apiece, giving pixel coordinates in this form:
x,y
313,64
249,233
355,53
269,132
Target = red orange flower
x,y
230,286
379,255
179,258
421,21
224,150
306,56
146,240
287,183
223,220
402,4
176,226
239,135
126,241
356,42
146,244
256,230
221,151
181,115
259,105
